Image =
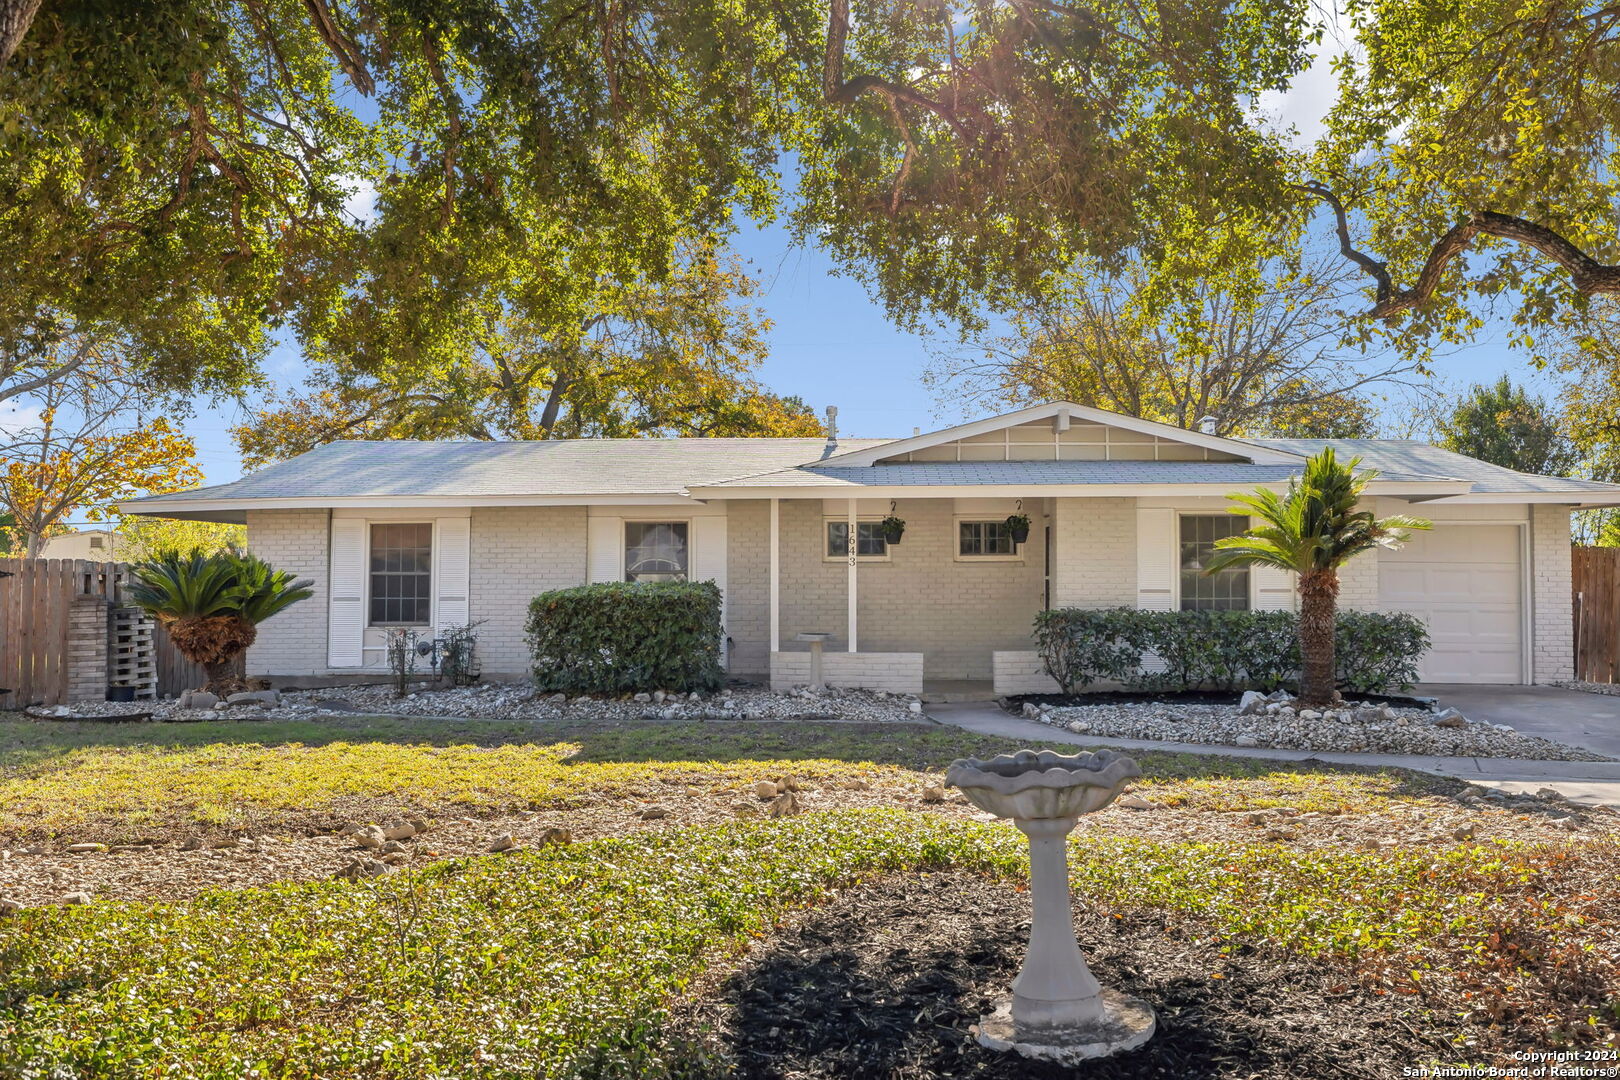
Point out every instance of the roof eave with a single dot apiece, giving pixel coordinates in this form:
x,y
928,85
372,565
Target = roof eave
x,y
1437,489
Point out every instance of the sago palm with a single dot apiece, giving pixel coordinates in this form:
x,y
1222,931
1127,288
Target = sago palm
x,y
1312,531
211,605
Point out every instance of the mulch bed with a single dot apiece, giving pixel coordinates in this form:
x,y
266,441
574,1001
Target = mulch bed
x,y
884,982
1189,697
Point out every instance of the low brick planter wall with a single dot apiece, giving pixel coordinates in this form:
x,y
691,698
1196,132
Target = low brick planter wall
x,y
896,672
1020,673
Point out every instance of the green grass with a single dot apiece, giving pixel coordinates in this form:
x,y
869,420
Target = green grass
x,y
123,781
564,962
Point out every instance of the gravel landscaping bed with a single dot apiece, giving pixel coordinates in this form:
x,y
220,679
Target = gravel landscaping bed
x,y
1274,722
1584,687
519,701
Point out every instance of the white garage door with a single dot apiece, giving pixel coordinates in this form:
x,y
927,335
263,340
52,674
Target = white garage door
x,y
1464,582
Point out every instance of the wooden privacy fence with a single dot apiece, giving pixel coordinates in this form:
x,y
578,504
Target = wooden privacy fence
x,y
66,635
1595,581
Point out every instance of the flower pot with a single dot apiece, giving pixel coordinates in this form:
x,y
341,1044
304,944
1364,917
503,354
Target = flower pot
x,y
1019,536
893,538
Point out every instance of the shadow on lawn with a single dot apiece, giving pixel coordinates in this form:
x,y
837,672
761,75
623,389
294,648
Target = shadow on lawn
x,y
887,980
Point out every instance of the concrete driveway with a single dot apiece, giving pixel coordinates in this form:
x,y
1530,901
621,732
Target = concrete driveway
x,y
1567,716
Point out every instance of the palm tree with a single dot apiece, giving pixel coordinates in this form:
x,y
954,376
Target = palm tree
x,y
1313,530
211,605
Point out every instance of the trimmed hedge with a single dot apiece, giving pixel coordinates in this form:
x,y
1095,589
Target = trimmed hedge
x,y
617,637
1222,650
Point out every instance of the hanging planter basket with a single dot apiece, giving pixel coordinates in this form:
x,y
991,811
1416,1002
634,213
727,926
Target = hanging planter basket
x,y
1018,525
893,529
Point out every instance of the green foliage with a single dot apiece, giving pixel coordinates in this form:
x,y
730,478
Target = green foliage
x,y
1508,426
620,637
567,962
1224,650
197,585
1316,526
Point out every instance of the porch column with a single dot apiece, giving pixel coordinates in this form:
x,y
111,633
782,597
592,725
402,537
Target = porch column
x,y
853,552
776,576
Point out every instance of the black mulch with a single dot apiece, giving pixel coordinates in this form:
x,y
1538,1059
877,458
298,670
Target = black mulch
x,y
883,983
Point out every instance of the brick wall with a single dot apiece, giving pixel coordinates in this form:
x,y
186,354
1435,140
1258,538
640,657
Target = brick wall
x,y
293,642
519,552
1093,553
1021,673
923,600
86,658
896,672
1552,635
748,586
1358,583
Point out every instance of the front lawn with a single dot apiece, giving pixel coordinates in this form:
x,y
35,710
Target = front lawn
x,y
1458,926
122,782
570,962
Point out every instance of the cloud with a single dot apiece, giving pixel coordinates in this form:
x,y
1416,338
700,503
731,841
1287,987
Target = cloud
x,y
1305,104
362,201
17,417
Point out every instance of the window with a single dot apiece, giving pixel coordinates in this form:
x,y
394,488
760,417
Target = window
x,y
984,538
869,542
1225,591
401,575
655,551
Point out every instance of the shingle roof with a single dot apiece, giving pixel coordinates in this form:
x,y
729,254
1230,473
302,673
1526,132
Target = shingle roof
x,y
1391,456
1034,473
360,470
350,468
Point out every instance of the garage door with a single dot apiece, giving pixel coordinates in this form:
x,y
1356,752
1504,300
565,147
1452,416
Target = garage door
x,y
1464,582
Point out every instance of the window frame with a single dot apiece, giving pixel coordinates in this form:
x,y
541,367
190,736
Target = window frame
x,y
1175,575
624,542
957,522
432,574
828,520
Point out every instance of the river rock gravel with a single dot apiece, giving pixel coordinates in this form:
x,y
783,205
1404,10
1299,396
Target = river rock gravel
x,y
520,701
1364,729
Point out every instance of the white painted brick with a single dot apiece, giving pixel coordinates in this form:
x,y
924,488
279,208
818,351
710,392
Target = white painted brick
x,y
293,642
896,672
1551,625
1021,673
1093,553
519,552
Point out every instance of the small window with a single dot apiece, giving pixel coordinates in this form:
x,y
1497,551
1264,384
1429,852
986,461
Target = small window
x,y
656,551
869,542
1224,591
401,575
982,538
98,541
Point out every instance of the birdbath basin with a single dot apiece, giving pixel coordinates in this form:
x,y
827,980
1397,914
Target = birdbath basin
x,y
1057,1010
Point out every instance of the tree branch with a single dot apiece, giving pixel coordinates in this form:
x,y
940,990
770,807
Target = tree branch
x,y
16,16
343,48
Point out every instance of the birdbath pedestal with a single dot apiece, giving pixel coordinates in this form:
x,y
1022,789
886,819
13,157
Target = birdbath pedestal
x,y
1057,1010
816,640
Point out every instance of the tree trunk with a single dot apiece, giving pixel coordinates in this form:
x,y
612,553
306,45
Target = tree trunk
x,y
222,677
1318,598
16,16
35,541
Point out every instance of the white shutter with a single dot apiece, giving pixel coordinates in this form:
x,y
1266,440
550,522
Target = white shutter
x,y
452,570
709,562
1155,559
1271,589
605,538
346,621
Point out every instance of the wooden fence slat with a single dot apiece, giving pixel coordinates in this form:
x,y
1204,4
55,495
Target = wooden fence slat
x,y
36,605
1595,584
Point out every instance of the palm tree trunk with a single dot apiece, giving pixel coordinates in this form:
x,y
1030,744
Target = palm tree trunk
x,y
1318,598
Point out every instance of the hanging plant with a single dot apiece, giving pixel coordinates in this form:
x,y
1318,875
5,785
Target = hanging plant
x,y
1018,525
893,529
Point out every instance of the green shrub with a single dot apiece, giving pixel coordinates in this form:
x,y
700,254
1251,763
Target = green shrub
x,y
1221,650
1376,651
618,637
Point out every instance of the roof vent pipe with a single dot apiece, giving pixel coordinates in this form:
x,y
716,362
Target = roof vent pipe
x,y
1206,425
832,424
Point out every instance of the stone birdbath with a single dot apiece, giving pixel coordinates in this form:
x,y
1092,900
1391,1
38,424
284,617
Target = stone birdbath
x,y
1057,1010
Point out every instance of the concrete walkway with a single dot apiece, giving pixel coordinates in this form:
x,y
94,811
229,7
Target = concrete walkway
x,y
1588,782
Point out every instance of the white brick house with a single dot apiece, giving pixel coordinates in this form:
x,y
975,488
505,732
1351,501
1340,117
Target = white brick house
x,y
436,534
